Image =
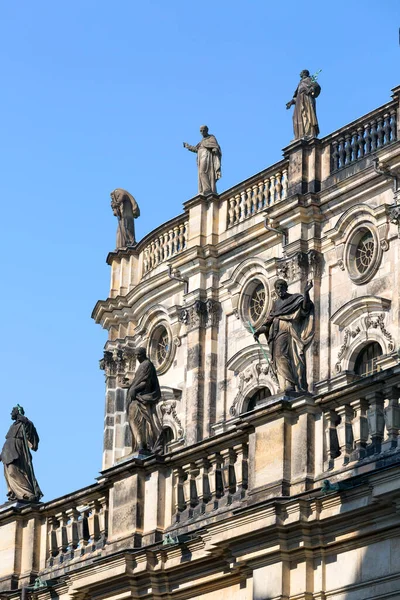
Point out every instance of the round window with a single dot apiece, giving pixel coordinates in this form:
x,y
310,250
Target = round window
x,y
363,254
161,348
253,302
257,303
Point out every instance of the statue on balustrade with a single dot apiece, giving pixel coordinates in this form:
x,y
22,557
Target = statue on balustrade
x,y
208,161
142,398
305,122
17,459
289,330
126,209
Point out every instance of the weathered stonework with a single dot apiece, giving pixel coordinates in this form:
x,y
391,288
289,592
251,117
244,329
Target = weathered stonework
x,y
296,498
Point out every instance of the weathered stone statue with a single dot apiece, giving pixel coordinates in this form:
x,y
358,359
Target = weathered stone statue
x,y
289,330
142,397
305,122
126,209
17,460
208,161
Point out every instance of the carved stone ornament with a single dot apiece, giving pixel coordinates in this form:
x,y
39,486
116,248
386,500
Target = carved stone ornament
x,y
200,314
169,408
251,378
301,266
118,363
394,216
379,323
349,334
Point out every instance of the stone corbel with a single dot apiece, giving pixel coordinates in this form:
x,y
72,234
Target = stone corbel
x,y
195,315
394,216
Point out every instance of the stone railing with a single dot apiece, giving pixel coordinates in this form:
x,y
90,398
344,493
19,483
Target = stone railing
x,y
362,427
211,482
363,138
255,195
76,529
164,245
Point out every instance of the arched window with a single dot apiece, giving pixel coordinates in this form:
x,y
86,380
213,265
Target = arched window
x,y
366,360
260,394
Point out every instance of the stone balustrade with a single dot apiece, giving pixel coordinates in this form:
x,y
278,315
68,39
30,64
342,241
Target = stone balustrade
x,y
362,427
75,529
216,480
246,201
364,138
165,245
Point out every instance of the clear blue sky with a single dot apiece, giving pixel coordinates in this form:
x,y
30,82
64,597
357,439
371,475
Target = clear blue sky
x,y
99,94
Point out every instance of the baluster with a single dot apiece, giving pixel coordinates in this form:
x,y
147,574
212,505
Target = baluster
x,y
152,255
332,442
376,420
202,484
182,236
237,208
266,201
374,136
285,183
393,125
380,132
231,212
247,204
165,245
335,156
260,200
61,533
175,240
360,428
241,469
354,145
242,205
215,479
93,521
52,526
146,260
342,153
228,474
361,141
83,531
345,431
367,137
72,528
278,186
170,242
254,199
102,514
392,414
347,149
180,504
386,128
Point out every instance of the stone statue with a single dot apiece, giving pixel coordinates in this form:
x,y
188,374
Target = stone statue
x,y
208,161
305,123
126,209
289,330
142,397
17,460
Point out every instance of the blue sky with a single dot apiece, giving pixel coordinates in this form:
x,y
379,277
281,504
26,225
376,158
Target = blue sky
x,y
98,95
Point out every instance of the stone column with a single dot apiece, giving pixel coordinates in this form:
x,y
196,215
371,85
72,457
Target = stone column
x,y
360,428
392,414
213,309
345,431
376,420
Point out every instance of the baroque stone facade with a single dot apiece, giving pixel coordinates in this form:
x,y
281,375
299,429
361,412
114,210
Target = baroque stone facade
x,y
257,495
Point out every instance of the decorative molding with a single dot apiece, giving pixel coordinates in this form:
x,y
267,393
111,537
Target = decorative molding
x,y
357,307
119,362
394,216
379,323
200,314
301,265
349,334
169,408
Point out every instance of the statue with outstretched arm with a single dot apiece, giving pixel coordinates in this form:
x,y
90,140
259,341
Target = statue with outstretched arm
x,y
305,122
289,330
208,161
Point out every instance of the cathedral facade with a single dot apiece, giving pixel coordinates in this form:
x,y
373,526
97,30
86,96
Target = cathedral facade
x,y
259,493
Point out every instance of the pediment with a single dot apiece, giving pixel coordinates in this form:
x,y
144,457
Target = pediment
x,y
359,306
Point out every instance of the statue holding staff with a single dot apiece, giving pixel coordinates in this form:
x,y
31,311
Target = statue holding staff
x,y
305,122
289,330
208,161
17,459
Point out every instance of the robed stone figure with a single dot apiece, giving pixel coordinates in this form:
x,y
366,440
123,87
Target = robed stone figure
x,y
289,330
305,122
126,209
17,459
142,398
208,161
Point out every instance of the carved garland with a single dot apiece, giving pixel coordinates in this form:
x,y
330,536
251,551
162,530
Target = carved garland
x,y
379,323
348,335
